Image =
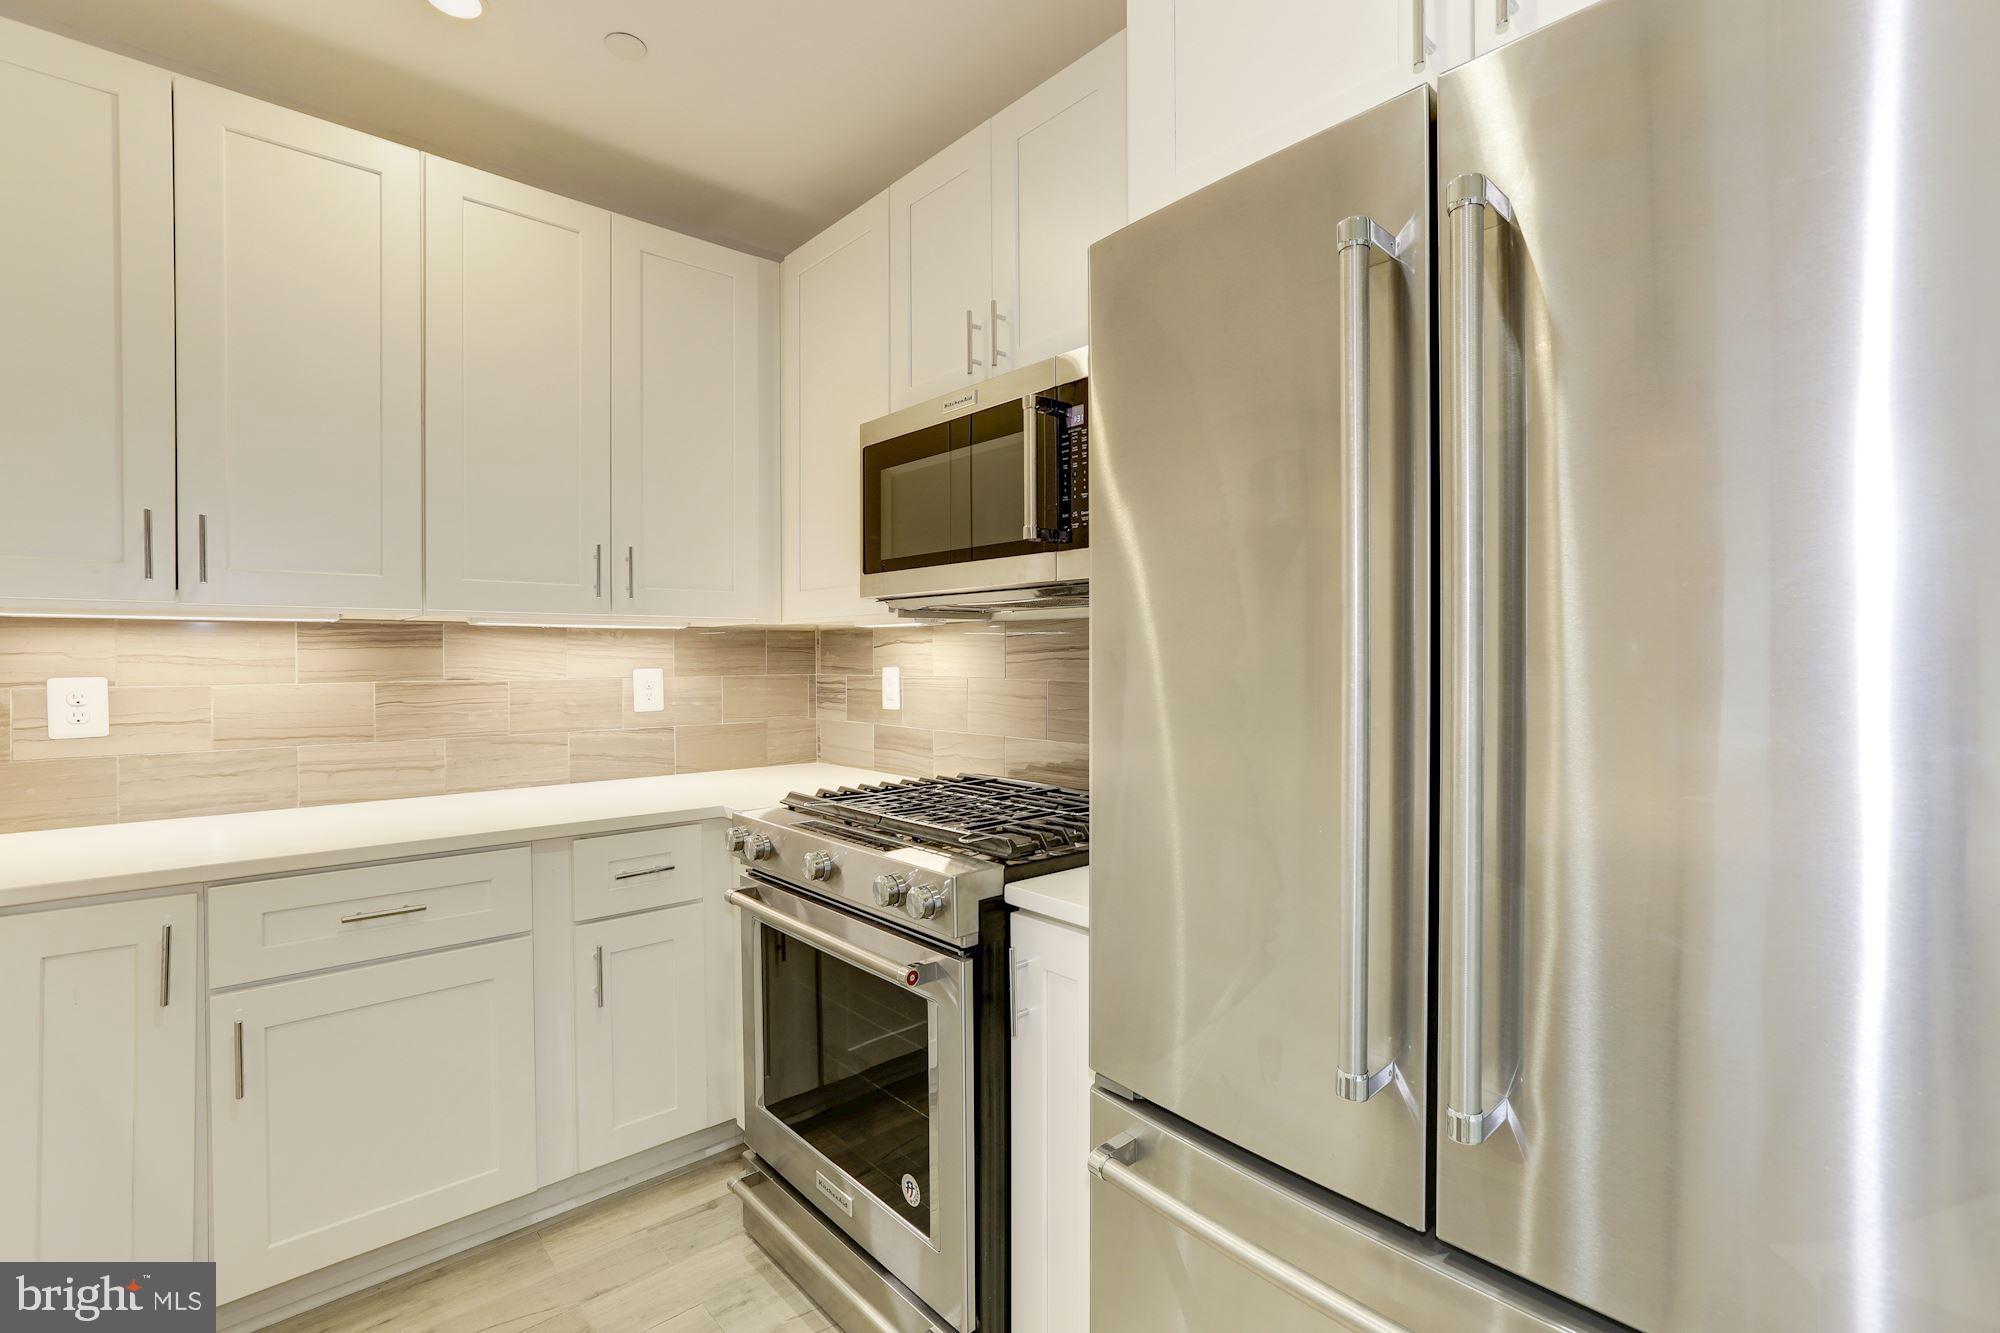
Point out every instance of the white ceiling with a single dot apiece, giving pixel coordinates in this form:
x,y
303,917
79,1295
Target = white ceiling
x,y
751,122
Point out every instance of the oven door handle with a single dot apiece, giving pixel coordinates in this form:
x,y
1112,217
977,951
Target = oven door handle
x,y
913,975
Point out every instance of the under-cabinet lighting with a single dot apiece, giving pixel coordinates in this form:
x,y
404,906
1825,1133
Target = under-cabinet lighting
x,y
553,624
188,619
460,9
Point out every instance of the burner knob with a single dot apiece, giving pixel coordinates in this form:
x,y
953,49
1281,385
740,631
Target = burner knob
x,y
890,889
926,901
755,846
737,833
819,865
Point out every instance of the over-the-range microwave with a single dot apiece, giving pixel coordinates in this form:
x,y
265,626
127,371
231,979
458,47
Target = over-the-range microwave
x,y
983,493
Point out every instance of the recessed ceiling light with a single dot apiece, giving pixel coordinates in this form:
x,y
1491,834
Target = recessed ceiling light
x,y
460,9
624,45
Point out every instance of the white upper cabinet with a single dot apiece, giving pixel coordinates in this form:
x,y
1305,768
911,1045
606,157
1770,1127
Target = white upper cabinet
x,y
1058,187
87,335
97,1106
941,273
518,397
836,376
1214,85
1498,22
693,426
301,396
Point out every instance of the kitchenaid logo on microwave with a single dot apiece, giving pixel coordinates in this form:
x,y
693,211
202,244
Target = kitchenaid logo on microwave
x,y
167,1297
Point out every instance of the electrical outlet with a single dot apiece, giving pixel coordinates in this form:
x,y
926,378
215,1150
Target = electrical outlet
x,y
79,706
892,689
649,690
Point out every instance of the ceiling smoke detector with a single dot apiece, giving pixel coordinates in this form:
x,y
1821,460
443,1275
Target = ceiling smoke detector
x,y
625,45
460,9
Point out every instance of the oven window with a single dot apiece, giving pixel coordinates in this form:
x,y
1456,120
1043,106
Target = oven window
x,y
847,1067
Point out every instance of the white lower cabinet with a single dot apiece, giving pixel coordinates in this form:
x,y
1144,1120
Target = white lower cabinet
x,y
1051,1127
352,1109
97,1097
641,1032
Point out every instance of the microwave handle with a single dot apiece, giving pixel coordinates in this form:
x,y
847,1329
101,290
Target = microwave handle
x,y
1031,471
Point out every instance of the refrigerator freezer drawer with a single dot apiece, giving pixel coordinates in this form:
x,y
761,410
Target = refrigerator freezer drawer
x,y
1189,1234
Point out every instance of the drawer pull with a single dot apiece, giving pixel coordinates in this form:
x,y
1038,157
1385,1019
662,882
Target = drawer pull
x,y
239,1059
641,874
382,912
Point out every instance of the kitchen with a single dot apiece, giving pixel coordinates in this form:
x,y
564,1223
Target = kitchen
x,y
575,759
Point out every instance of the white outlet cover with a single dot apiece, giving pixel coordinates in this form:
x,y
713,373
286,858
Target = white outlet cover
x,y
79,706
892,689
649,689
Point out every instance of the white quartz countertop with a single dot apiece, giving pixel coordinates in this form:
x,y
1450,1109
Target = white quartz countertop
x,y
57,864
1063,896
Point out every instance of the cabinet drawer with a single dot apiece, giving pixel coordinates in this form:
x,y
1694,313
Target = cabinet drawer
x,y
632,872
276,927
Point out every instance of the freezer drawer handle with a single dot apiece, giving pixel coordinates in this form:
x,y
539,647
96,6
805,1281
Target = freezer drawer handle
x,y
1473,203
1361,243
1112,1163
913,975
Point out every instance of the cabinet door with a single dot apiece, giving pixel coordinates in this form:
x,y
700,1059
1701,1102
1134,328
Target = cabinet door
x,y
518,396
1216,84
1058,186
836,366
1498,22
97,1108
352,1109
941,272
1051,1129
693,425
641,1033
301,417
87,338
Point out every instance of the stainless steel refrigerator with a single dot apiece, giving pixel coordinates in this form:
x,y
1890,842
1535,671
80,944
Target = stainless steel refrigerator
x,y
1547,837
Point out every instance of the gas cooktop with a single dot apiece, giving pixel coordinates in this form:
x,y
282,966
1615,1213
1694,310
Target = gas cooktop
x,y
1030,828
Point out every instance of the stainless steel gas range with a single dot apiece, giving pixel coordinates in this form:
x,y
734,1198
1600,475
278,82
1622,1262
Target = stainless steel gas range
x,y
876,1013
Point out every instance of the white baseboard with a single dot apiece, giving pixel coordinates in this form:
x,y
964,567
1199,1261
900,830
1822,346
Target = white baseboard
x,y
263,1308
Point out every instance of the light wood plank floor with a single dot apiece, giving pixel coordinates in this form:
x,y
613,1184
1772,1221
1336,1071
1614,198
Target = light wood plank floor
x,y
669,1256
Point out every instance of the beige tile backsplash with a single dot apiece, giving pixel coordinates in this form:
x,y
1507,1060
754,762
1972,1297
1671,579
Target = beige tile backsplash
x,y
213,717
1010,699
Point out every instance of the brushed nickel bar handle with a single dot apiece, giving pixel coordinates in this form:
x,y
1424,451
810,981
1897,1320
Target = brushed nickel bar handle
x,y
1472,202
146,538
1503,14
600,976
641,874
993,318
597,563
970,327
201,546
383,912
912,975
239,1059
166,964
1112,1163
629,594
1420,47
1359,241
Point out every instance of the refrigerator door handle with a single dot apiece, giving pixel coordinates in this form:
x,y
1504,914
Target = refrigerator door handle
x,y
1473,203
1361,243
1112,1163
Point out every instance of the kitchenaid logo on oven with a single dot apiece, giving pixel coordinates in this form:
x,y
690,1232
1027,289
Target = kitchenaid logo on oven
x,y
163,1296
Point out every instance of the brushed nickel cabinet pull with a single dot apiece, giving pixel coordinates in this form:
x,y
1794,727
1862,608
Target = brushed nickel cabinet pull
x,y
598,563
993,318
641,874
1503,13
381,912
201,546
629,593
239,1059
146,538
600,976
166,964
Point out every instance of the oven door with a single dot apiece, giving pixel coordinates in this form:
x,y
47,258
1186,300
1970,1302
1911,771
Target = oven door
x,y
858,1081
